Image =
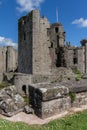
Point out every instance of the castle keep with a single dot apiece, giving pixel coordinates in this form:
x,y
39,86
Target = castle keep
x,y
42,47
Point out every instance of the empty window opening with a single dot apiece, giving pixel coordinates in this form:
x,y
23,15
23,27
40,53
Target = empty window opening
x,y
51,44
24,89
75,61
56,29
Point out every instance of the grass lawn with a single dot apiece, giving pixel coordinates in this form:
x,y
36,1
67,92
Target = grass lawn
x,y
72,122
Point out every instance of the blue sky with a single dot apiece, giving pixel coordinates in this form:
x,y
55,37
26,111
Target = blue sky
x,y
71,13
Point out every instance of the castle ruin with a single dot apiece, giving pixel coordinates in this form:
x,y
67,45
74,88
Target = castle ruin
x,y
44,57
42,47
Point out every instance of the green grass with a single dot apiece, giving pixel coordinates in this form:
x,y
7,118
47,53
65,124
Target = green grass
x,y
72,96
77,121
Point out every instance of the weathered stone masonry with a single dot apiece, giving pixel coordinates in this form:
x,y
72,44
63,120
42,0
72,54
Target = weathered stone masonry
x,y
41,51
41,47
8,59
49,99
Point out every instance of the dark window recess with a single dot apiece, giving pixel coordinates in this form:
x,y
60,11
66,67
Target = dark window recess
x,y
56,29
24,89
24,36
75,61
51,44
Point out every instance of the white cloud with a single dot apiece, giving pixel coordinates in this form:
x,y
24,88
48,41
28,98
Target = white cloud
x,y
80,22
28,5
7,42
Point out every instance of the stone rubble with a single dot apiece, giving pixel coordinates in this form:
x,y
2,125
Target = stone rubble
x,y
10,101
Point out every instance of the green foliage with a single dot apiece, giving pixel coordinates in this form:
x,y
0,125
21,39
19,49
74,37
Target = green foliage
x,y
72,96
26,99
76,71
78,74
4,84
77,121
78,77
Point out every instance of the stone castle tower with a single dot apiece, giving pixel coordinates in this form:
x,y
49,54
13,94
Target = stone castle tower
x,y
41,47
38,44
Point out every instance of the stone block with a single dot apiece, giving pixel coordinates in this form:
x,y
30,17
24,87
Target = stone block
x,y
53,107
48,99
10,101
48,91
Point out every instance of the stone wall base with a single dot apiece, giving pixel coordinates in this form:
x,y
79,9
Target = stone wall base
x,y
46,102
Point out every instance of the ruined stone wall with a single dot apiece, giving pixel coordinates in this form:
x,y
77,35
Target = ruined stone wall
x,y
81,59
2,61
57,38
86,57
46,60
12,58
74,57
69,55
50,99
8,59
41,47
22,82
